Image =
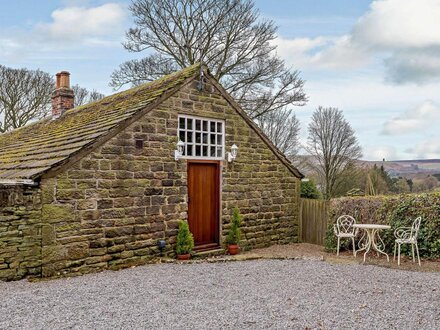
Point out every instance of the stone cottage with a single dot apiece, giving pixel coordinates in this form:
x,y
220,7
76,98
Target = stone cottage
x,y
95,187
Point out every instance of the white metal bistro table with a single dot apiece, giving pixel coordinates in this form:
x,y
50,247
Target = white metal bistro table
x,y
371,239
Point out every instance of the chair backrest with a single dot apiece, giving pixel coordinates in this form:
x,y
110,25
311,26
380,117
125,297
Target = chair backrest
x,y
415,227
344,224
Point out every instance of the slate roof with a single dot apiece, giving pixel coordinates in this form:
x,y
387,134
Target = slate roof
x,y
28,152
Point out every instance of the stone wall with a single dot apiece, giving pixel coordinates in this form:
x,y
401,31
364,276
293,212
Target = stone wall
x,y
109,209
20,233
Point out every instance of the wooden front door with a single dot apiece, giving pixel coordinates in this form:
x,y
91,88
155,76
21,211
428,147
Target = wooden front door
x,y
203,202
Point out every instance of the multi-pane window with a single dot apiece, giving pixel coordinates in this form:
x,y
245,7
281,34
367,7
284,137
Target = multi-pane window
x,y
203,138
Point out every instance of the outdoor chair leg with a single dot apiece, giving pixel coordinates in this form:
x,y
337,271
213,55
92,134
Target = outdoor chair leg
x,y
413,255
338,246
354,247
395,249
398,255
418,257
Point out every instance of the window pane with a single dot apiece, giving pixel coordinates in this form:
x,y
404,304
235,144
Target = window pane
x,y
219,127
189,123
205,125
219,139
189,137
182,136
212,128
198,138
212,152
205,151
205,138
198,125
198,153
219,151
181,122
189,149
212,139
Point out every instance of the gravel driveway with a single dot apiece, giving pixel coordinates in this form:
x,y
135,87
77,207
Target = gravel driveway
x,y
265,294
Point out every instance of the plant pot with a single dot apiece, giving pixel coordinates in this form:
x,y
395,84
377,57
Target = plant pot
x,y
183,256
233,249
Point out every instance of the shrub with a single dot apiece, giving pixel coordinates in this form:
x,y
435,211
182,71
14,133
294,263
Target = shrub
x,y
395,211
309,190
234,232
185,240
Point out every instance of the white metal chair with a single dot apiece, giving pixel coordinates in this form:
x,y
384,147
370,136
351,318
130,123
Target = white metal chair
x,y
344,229
407,235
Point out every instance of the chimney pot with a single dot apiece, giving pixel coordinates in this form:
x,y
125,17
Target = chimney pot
x,y
64,79
58,80
62,96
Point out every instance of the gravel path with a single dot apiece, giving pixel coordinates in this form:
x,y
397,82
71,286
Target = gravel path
x,y
257,294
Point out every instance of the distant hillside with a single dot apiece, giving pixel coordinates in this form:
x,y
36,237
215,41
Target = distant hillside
x,y
408,168
405,168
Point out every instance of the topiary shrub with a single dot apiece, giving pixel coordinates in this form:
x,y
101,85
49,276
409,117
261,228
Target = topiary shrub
x,y
395,211
234,234
185,240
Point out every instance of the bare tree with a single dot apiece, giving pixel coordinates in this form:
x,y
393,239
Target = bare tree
x,y
84,96
227,35
282,128
333,146
25,95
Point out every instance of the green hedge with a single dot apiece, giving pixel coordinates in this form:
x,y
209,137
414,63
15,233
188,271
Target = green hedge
x,y
395,211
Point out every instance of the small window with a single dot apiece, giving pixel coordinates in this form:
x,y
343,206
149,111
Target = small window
x,y
203,137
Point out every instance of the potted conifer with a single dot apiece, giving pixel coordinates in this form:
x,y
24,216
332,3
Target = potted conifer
x,y
234,233
185,241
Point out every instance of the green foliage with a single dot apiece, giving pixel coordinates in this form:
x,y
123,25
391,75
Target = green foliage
x,y
395,211
234,232
185,240
309,190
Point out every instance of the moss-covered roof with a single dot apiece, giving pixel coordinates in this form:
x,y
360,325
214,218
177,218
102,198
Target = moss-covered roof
x,y
28,152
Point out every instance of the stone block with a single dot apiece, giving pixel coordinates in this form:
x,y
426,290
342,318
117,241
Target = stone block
x,y
52,213
48,236
77,250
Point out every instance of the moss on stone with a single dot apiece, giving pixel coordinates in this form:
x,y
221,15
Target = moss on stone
x,y
52,213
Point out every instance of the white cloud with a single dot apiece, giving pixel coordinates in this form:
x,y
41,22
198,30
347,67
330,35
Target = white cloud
x,y
397,24
414,120
428,149
71,28
403,33
74,23
379,152
321,52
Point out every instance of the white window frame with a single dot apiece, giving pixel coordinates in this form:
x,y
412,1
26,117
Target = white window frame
x,y
193,130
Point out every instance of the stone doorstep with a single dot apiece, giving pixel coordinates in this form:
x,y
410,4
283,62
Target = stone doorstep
x,y
208,253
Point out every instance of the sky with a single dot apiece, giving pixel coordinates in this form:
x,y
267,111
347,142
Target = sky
x,y
377,61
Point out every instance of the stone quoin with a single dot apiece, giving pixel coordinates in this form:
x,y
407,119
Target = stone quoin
x,y
96,187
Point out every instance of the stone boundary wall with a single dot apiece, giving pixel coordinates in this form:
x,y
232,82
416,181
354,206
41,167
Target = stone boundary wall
x,y
20,232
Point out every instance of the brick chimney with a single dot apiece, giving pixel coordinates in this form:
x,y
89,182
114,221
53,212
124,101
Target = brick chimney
x,y
62,96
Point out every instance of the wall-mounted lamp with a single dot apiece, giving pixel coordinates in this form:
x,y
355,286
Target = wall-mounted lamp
x,y
233,154
179,152
161,244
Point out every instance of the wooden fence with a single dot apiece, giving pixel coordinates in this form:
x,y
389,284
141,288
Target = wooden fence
x,y
313,215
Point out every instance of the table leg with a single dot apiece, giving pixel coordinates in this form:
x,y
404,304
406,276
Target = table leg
x,y
370,238
375,246
363,242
